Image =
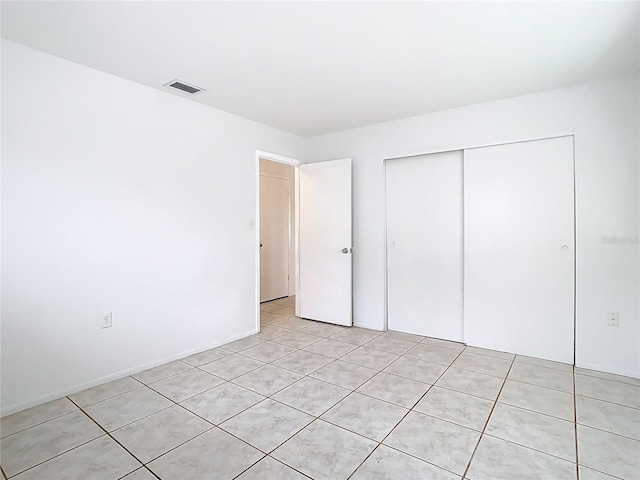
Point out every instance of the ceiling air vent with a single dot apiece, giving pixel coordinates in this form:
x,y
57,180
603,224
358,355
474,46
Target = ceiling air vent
x,y
184,87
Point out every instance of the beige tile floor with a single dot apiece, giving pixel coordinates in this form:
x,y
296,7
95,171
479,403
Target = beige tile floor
x,y
305,399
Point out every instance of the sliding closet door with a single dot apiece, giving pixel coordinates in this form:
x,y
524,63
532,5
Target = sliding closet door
x,y
424,250
519,248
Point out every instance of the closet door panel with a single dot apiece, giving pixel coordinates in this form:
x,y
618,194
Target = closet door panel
x,y
519,248
424,249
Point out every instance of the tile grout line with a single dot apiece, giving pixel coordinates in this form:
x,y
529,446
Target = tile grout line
x,y
575,393
513,361
38,424
51,458
274,459
80,409
141,467
365,459
466,470
405,416
544,365
635,382
302,349
317,418
400,356
136,420
289,466
314,417
277,359
307,375
68,397
229,433
81,445
115,440
313,378
528,410
213,426
409,410
424,394
610,403
564,459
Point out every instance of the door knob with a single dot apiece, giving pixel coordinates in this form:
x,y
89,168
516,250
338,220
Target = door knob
x,y
345,250
564,248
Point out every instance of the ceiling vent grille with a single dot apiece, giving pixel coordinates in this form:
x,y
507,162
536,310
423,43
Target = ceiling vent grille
x,y
184,87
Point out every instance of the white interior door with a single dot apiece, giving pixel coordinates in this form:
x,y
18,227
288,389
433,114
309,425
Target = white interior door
x,y
519,248
424,245
274,238
325,246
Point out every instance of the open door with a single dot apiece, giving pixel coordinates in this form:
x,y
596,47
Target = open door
x,y
325,247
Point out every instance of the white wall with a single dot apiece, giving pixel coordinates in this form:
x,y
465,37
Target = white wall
x,y
604,117
118,198
289,172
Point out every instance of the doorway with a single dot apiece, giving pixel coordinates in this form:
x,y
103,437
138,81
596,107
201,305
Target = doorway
x,y
277,222
303,239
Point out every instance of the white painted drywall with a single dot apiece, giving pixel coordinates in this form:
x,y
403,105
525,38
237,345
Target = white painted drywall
x,y
286,171
605,117
117,197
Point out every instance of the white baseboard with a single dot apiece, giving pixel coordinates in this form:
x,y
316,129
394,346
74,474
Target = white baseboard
x,y
8,410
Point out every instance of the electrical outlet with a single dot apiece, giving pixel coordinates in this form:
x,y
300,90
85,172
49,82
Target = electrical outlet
x,y
107,321
613,319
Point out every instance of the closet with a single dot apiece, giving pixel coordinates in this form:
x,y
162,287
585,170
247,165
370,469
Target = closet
x,y
424,253
481,247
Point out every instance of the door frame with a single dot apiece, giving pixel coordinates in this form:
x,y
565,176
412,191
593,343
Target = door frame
x,y
274,157
462,146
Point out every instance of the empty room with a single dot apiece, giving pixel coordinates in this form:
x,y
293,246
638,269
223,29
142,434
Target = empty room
x,y
328,240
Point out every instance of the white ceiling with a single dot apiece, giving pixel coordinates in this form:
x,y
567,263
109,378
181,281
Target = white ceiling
x,y
317,67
